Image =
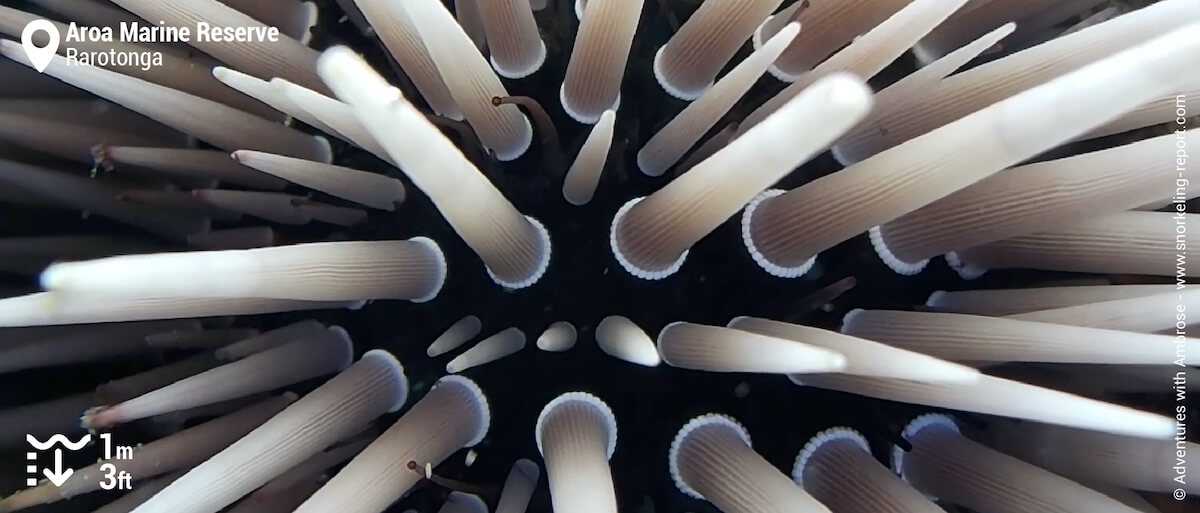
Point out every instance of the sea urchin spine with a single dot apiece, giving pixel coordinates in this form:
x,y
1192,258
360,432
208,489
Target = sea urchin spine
x,y
371,387
577,434
453,415
711,459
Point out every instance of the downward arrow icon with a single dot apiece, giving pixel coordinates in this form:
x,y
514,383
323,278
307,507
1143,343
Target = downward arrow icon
x,y
58,476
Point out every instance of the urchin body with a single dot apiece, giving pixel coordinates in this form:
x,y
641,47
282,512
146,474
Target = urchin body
x,y
516,261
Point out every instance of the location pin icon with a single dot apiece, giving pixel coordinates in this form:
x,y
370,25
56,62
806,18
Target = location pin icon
x,y
40,57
